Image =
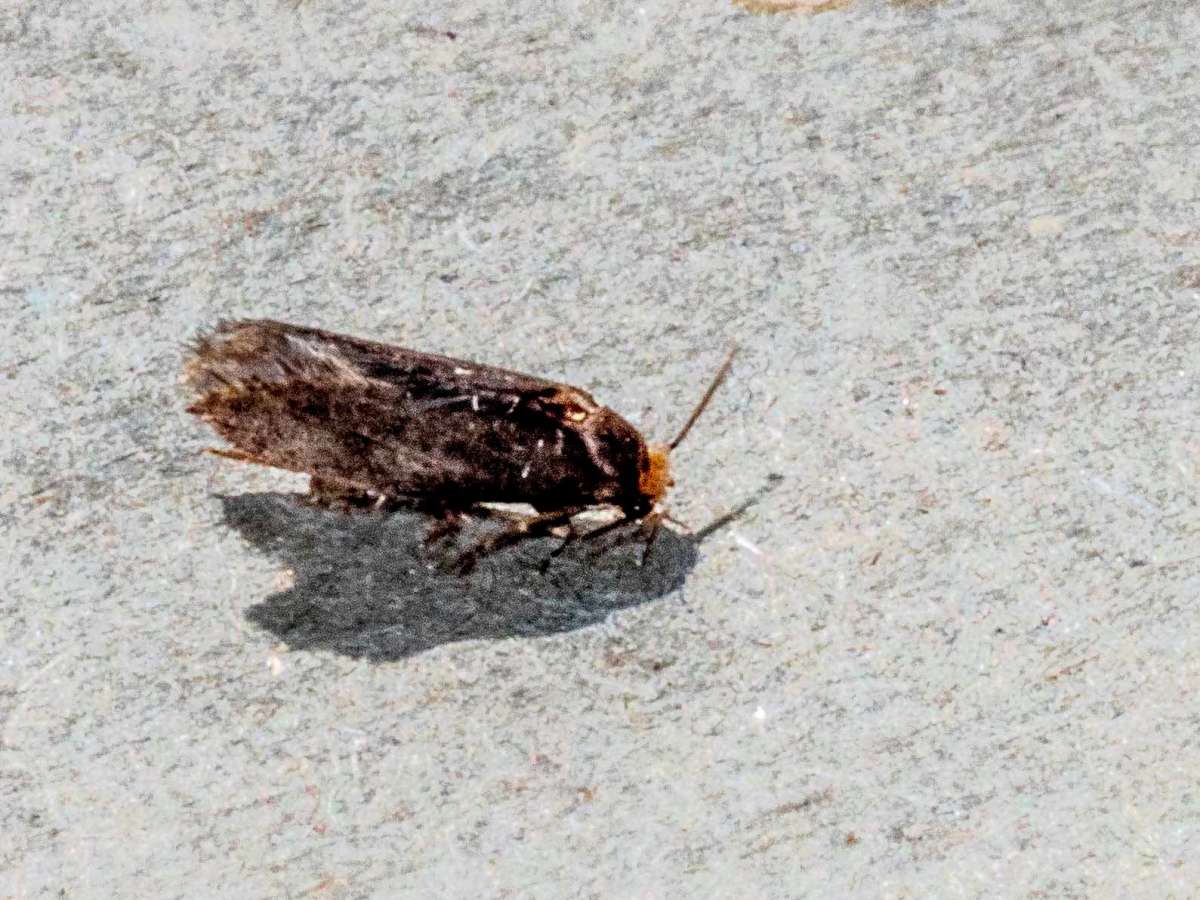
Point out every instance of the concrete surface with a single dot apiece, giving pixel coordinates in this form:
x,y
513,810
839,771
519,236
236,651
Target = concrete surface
x,y
950,654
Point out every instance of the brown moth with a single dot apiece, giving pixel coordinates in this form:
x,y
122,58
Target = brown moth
x,y
379,425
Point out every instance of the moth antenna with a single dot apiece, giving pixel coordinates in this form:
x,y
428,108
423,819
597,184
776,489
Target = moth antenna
x,y
708,395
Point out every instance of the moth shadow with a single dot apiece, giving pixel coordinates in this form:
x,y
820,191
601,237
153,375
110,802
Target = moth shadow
x,y
364,584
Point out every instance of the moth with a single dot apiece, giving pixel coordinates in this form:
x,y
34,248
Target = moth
x,y
379,425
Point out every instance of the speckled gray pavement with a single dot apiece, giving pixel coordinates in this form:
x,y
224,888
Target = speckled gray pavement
x,y
951,653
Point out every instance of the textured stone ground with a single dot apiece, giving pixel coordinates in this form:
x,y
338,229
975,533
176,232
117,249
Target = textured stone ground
x,y
949,654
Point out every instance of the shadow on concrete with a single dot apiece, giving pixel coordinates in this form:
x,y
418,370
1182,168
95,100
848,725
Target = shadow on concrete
x,y
365,585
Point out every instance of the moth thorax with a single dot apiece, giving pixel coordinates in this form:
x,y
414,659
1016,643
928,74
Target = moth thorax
x,y
655,478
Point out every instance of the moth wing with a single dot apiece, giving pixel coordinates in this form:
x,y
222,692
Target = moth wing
x,y
392,420
268,351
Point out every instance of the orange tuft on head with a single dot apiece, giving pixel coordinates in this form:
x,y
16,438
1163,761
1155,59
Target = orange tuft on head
x,y
656,477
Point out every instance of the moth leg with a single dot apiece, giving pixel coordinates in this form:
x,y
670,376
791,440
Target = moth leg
x,y
448,525
239,455
575,536
524,529
650,528
449,519
329,493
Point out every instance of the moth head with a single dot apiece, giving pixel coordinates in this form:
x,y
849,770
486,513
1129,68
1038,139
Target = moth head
x,y
655,476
